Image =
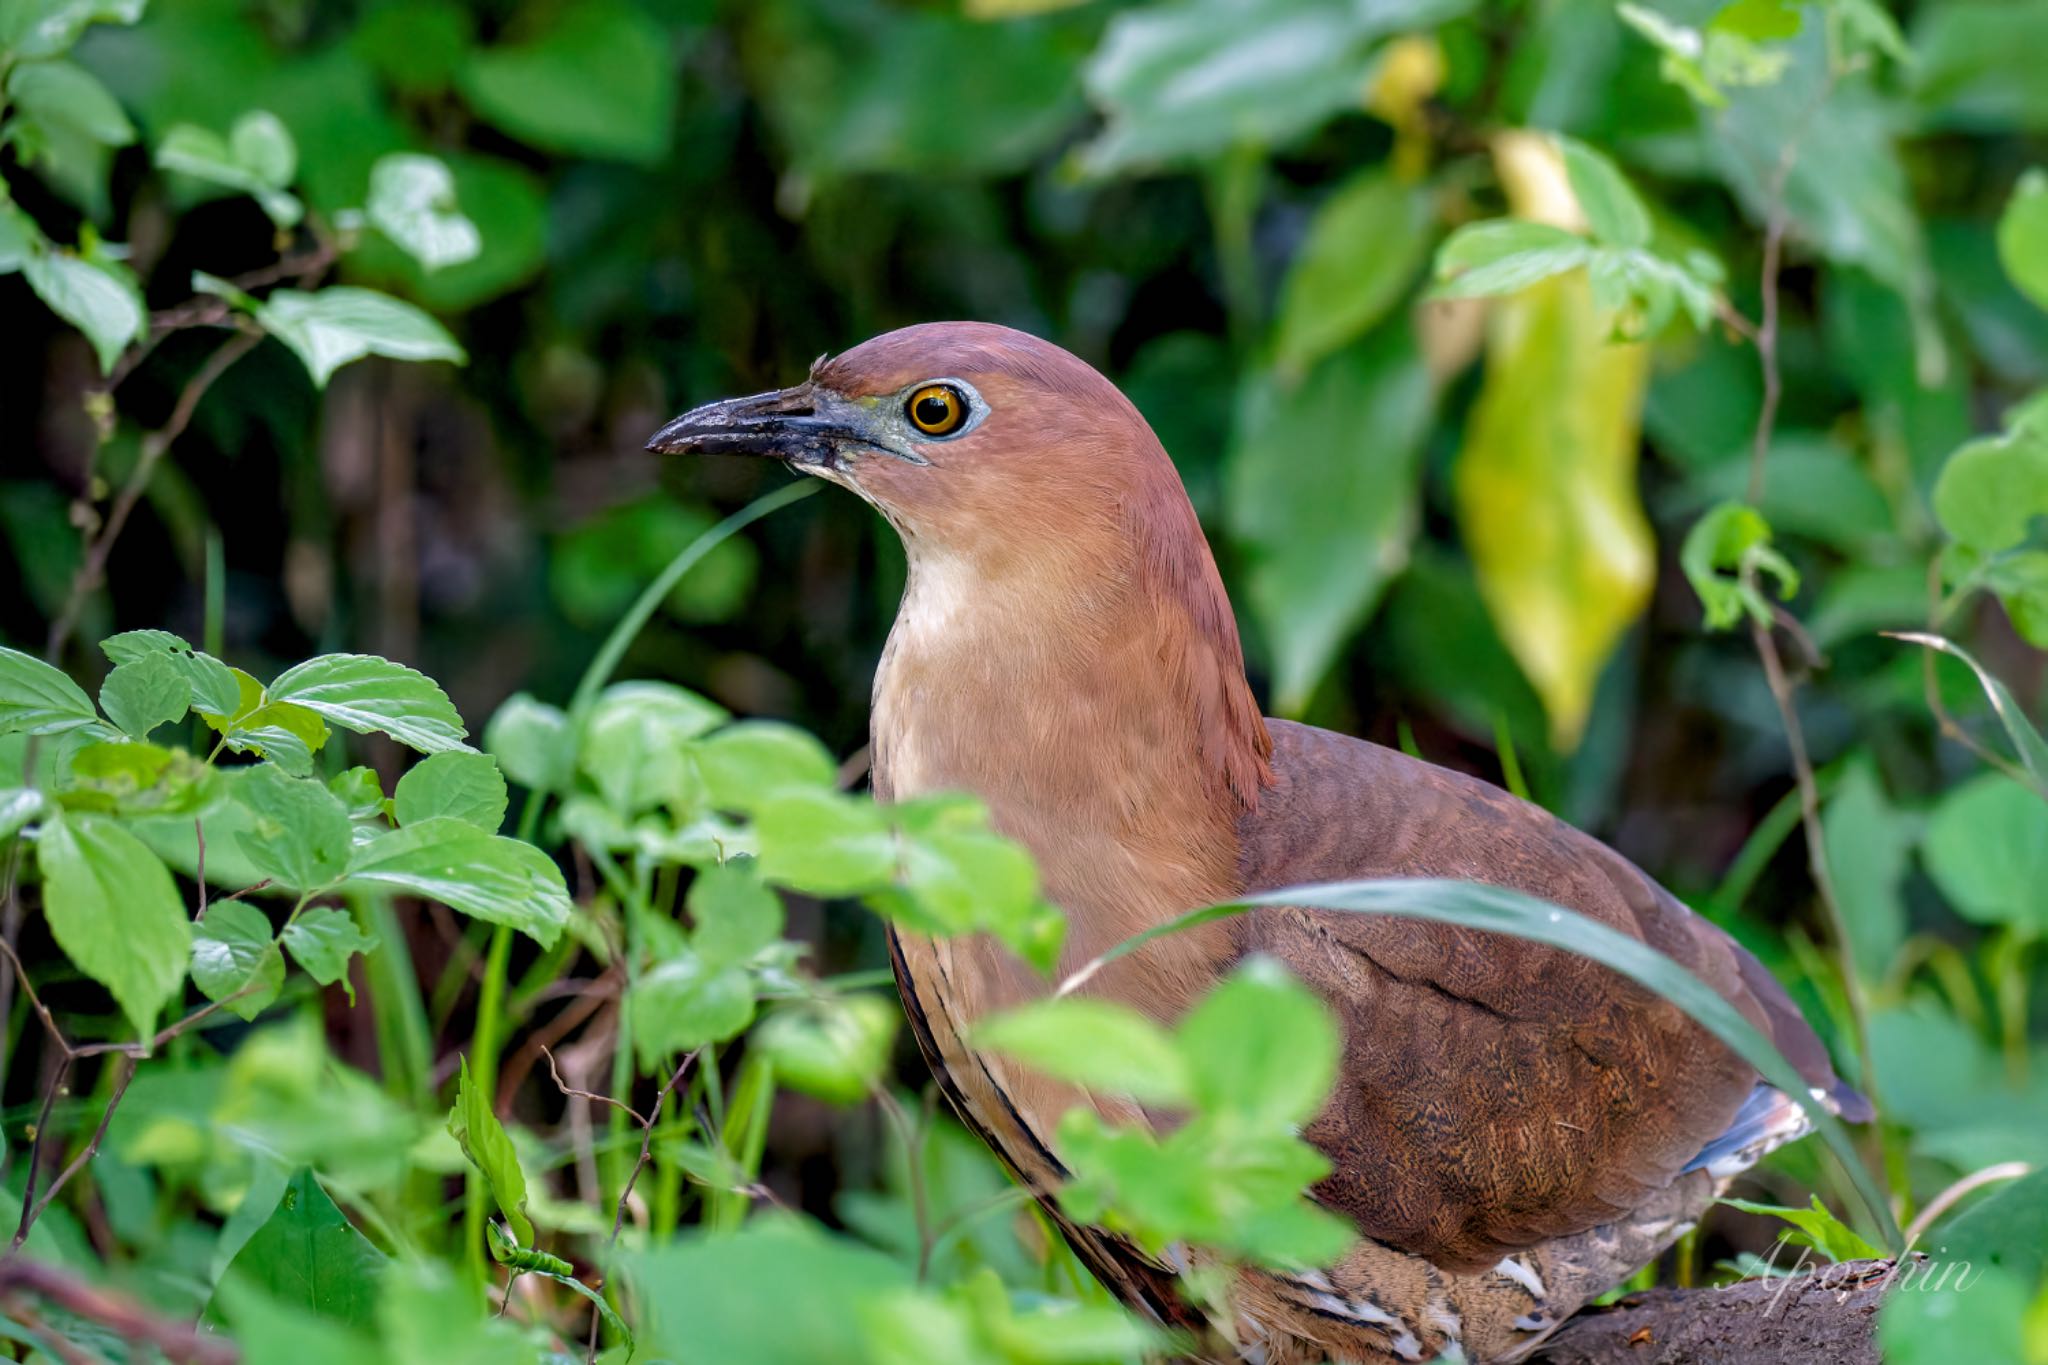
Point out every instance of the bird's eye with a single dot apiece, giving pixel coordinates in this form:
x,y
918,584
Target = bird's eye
x,y
936,409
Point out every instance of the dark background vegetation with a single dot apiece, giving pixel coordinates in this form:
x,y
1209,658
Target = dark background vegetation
x,y
680,200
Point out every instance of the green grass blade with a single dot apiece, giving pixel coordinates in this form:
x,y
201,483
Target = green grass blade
x,y
1498,910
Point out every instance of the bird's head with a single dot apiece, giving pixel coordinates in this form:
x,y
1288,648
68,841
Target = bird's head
x,y
970,438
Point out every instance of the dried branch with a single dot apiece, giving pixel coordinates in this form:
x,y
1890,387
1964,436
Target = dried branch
x,y
179,1341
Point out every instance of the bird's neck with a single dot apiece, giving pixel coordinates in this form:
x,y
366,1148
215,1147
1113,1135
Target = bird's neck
x,y
1094,697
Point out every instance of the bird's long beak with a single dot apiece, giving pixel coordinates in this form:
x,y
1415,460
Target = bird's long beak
x,y
784,424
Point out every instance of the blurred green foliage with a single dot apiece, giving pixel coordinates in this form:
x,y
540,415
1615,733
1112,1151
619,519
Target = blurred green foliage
x,y
1472,417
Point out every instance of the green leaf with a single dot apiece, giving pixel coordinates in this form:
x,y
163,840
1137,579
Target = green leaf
x,y
1363,250
1980,1317
322,940
234,951
597,82
474,1126
20,238
342,323
428,1317
115,912
308,1257
68,96
412,201
735,914
835,1048
257,158
531,741
1609,202
467,786
300,836
636,745
285,734
37,699
824,844
2023,236
1724,554
140,780
744,765
965,878
1818,1228
1261,1045
1991,489
1987,848
366,694
147,692
33,29
1505,256
684,1003
1323,537
1867,844
99,298
1092,1043
483,875
2027,742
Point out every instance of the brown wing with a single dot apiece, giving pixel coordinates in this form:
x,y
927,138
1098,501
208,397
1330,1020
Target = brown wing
x,y
1495,1093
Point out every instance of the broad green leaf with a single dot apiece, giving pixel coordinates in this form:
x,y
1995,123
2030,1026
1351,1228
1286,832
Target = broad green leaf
x,y
745,764
1545,484
1322,537
359,791
2027,742
1505,256
144,693
366,694
963,878
1818,1228
342,323
427,1317
1964,1317
835,1048
2021,582
261,143
735,914
99,298
412,201
531,741
140,780
483,875
33,29
2023,236
310,1258
1609,202
115,912
257,157
234,951
824,844
1724,552
1867,845
1991,489
1987,848
684,1003
1186,81
473,1123
1092,1043
1977,65
1363,251
215,687
67,95
37,699
322,940
20,238
2008,1231
635,745
286,734
467,786
1260,1045
301,834
598,81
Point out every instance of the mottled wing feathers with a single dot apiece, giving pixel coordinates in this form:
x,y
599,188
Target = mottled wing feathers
x,y
1495,1093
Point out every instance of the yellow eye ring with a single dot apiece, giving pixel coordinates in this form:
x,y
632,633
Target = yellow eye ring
x,y
936,409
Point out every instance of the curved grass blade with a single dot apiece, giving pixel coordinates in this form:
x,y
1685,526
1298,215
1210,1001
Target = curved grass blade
x,y
2026,740
1498,910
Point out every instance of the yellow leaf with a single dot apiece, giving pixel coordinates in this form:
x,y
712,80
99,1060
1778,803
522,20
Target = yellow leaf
x,y
1546,483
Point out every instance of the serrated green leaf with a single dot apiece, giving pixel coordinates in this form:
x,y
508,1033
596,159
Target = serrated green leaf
x,y
635,745
36,699
474,1125
734,913
144,693
824,844
234,951
366,694
531,741
116,913
1505,256
131,645
1092,1043
744,765
322,940
99,298
1818,1228
137,779
483,875
342,323
686,1003
301,830
467,786
1260,1045
412,201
